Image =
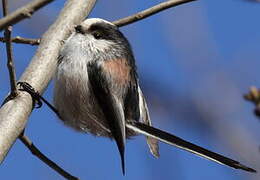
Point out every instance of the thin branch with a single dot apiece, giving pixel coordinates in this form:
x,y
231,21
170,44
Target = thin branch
x,y
22,13
22,40
149,12
10,61
14,113
35,151
9,53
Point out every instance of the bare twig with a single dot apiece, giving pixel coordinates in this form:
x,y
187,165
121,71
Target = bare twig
x,y
254,97
14,113
9,52
22,13
149,12
35,151
22,40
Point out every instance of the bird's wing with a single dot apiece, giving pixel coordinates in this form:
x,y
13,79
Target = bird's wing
x,y
144,116
135,108
180,143
107,85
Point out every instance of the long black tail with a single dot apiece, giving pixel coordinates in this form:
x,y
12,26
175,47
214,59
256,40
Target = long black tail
x,y
180,143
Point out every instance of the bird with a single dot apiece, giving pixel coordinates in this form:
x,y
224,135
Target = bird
x,y
97,91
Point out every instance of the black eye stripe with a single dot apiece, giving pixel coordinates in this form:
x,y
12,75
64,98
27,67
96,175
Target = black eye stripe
x,y
107,32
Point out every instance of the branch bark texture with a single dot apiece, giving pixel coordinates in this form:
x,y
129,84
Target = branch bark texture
x,y
14,113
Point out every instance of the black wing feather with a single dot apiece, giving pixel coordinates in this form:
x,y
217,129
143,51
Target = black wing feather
x,y
110,107
131,102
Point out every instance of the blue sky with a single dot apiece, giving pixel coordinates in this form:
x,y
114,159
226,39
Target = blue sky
x,y
195,62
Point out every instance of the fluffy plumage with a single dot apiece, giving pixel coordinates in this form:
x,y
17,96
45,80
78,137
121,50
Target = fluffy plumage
x,y
96,84
97,91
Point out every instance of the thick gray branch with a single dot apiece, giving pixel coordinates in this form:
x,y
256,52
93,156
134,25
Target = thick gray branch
x,y
22,13
14,113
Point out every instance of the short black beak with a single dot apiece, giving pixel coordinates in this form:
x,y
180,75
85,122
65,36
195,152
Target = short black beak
x,y
79,29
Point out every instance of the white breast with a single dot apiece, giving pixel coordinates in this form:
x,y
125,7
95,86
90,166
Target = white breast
x,y
73,98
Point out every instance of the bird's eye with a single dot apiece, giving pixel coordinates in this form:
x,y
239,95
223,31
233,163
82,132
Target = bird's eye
x,y
97,35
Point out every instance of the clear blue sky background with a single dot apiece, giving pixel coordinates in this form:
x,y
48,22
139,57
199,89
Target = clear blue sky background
x,y
195,62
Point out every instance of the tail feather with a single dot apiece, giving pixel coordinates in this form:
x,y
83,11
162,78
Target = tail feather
x,y
180,143
121,149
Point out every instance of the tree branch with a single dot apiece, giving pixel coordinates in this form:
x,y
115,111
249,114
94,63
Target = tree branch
x,y
9,53
22,13
14,113
35,151
22,40
149,12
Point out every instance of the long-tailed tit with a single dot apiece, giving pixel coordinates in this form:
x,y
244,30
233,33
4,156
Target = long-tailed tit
x,y
97,91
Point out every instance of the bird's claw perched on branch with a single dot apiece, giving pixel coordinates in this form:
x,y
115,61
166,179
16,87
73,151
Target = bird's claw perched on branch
x,y
24,86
